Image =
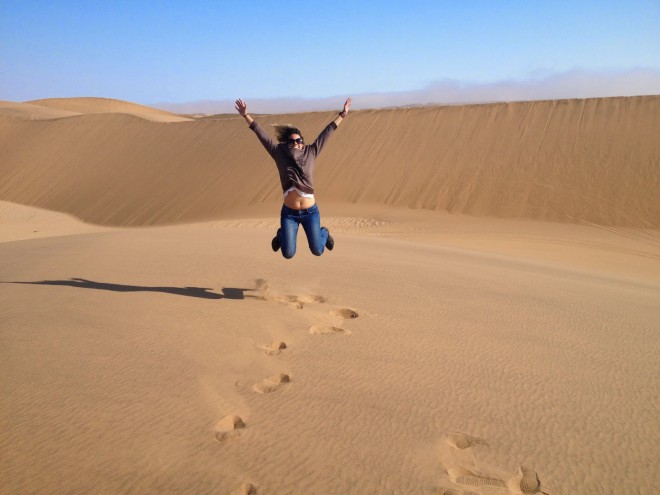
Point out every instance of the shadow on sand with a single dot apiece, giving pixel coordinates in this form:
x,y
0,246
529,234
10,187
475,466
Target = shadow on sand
x,y
201,292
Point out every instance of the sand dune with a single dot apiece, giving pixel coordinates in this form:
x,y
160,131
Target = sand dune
x,y
580,161
108,105
486,323
26,111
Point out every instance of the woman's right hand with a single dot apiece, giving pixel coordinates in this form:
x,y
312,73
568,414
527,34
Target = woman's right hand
x,y
241,107
347,105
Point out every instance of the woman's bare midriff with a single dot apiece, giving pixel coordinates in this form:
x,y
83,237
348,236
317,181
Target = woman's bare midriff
x,y
296,202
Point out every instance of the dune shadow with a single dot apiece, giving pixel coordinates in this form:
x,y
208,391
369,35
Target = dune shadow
x,y
200,292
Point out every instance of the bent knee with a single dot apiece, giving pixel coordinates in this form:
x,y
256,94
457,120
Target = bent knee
x,y
288,254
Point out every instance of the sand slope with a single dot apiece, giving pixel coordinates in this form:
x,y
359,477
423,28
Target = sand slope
x,y
85,105
429,353
191,359
582,161
18,222
27,111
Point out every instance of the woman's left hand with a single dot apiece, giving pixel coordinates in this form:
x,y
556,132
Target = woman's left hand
x,y
241,107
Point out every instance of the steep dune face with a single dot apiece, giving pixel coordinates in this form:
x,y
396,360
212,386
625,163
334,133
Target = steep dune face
x,y
595,160
581,160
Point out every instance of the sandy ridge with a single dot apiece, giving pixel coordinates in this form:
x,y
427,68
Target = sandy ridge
x,y
57,108
593,161
108,105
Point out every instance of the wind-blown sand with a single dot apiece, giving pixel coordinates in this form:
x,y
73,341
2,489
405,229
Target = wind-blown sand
x,y
428,353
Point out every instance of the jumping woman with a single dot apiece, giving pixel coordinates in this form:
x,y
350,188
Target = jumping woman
x,y
295,163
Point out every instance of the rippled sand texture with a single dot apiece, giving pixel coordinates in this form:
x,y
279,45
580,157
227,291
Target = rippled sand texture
x,y
428,353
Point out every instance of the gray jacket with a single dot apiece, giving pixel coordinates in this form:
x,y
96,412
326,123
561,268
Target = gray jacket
x,y
296,167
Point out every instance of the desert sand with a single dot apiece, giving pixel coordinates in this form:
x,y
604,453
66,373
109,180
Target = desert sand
x,y
486,324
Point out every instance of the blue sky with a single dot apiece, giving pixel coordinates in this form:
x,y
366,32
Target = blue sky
x,y
153,52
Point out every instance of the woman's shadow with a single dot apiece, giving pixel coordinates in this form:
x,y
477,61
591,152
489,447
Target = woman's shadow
x,y
201,292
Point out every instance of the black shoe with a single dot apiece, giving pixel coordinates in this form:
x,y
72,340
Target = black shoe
x,y
330,243
275,243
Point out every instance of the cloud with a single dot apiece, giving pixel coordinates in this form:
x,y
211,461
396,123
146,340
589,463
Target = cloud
x,y
578,83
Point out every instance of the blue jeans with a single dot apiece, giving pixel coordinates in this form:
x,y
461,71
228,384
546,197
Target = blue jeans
x,y
310,219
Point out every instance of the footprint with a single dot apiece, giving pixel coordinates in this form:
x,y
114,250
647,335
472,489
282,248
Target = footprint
x,y
462,476
525,481
345,313
291,301
298,302
227,427
311,299
287,298
327,329
274,348
271,384
463,441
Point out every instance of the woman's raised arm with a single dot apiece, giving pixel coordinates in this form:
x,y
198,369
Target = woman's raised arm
x,y
343,113
268,143
241,107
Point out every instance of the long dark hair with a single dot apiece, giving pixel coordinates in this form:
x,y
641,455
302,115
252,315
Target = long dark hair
x,y
284,131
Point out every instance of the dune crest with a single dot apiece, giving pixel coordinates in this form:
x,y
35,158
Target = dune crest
x,y
27,111
577,161
85,105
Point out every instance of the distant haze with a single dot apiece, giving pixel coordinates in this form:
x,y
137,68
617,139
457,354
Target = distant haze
x,y
571,84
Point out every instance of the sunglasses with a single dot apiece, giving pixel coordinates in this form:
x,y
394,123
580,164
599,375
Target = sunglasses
x,y
295,141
